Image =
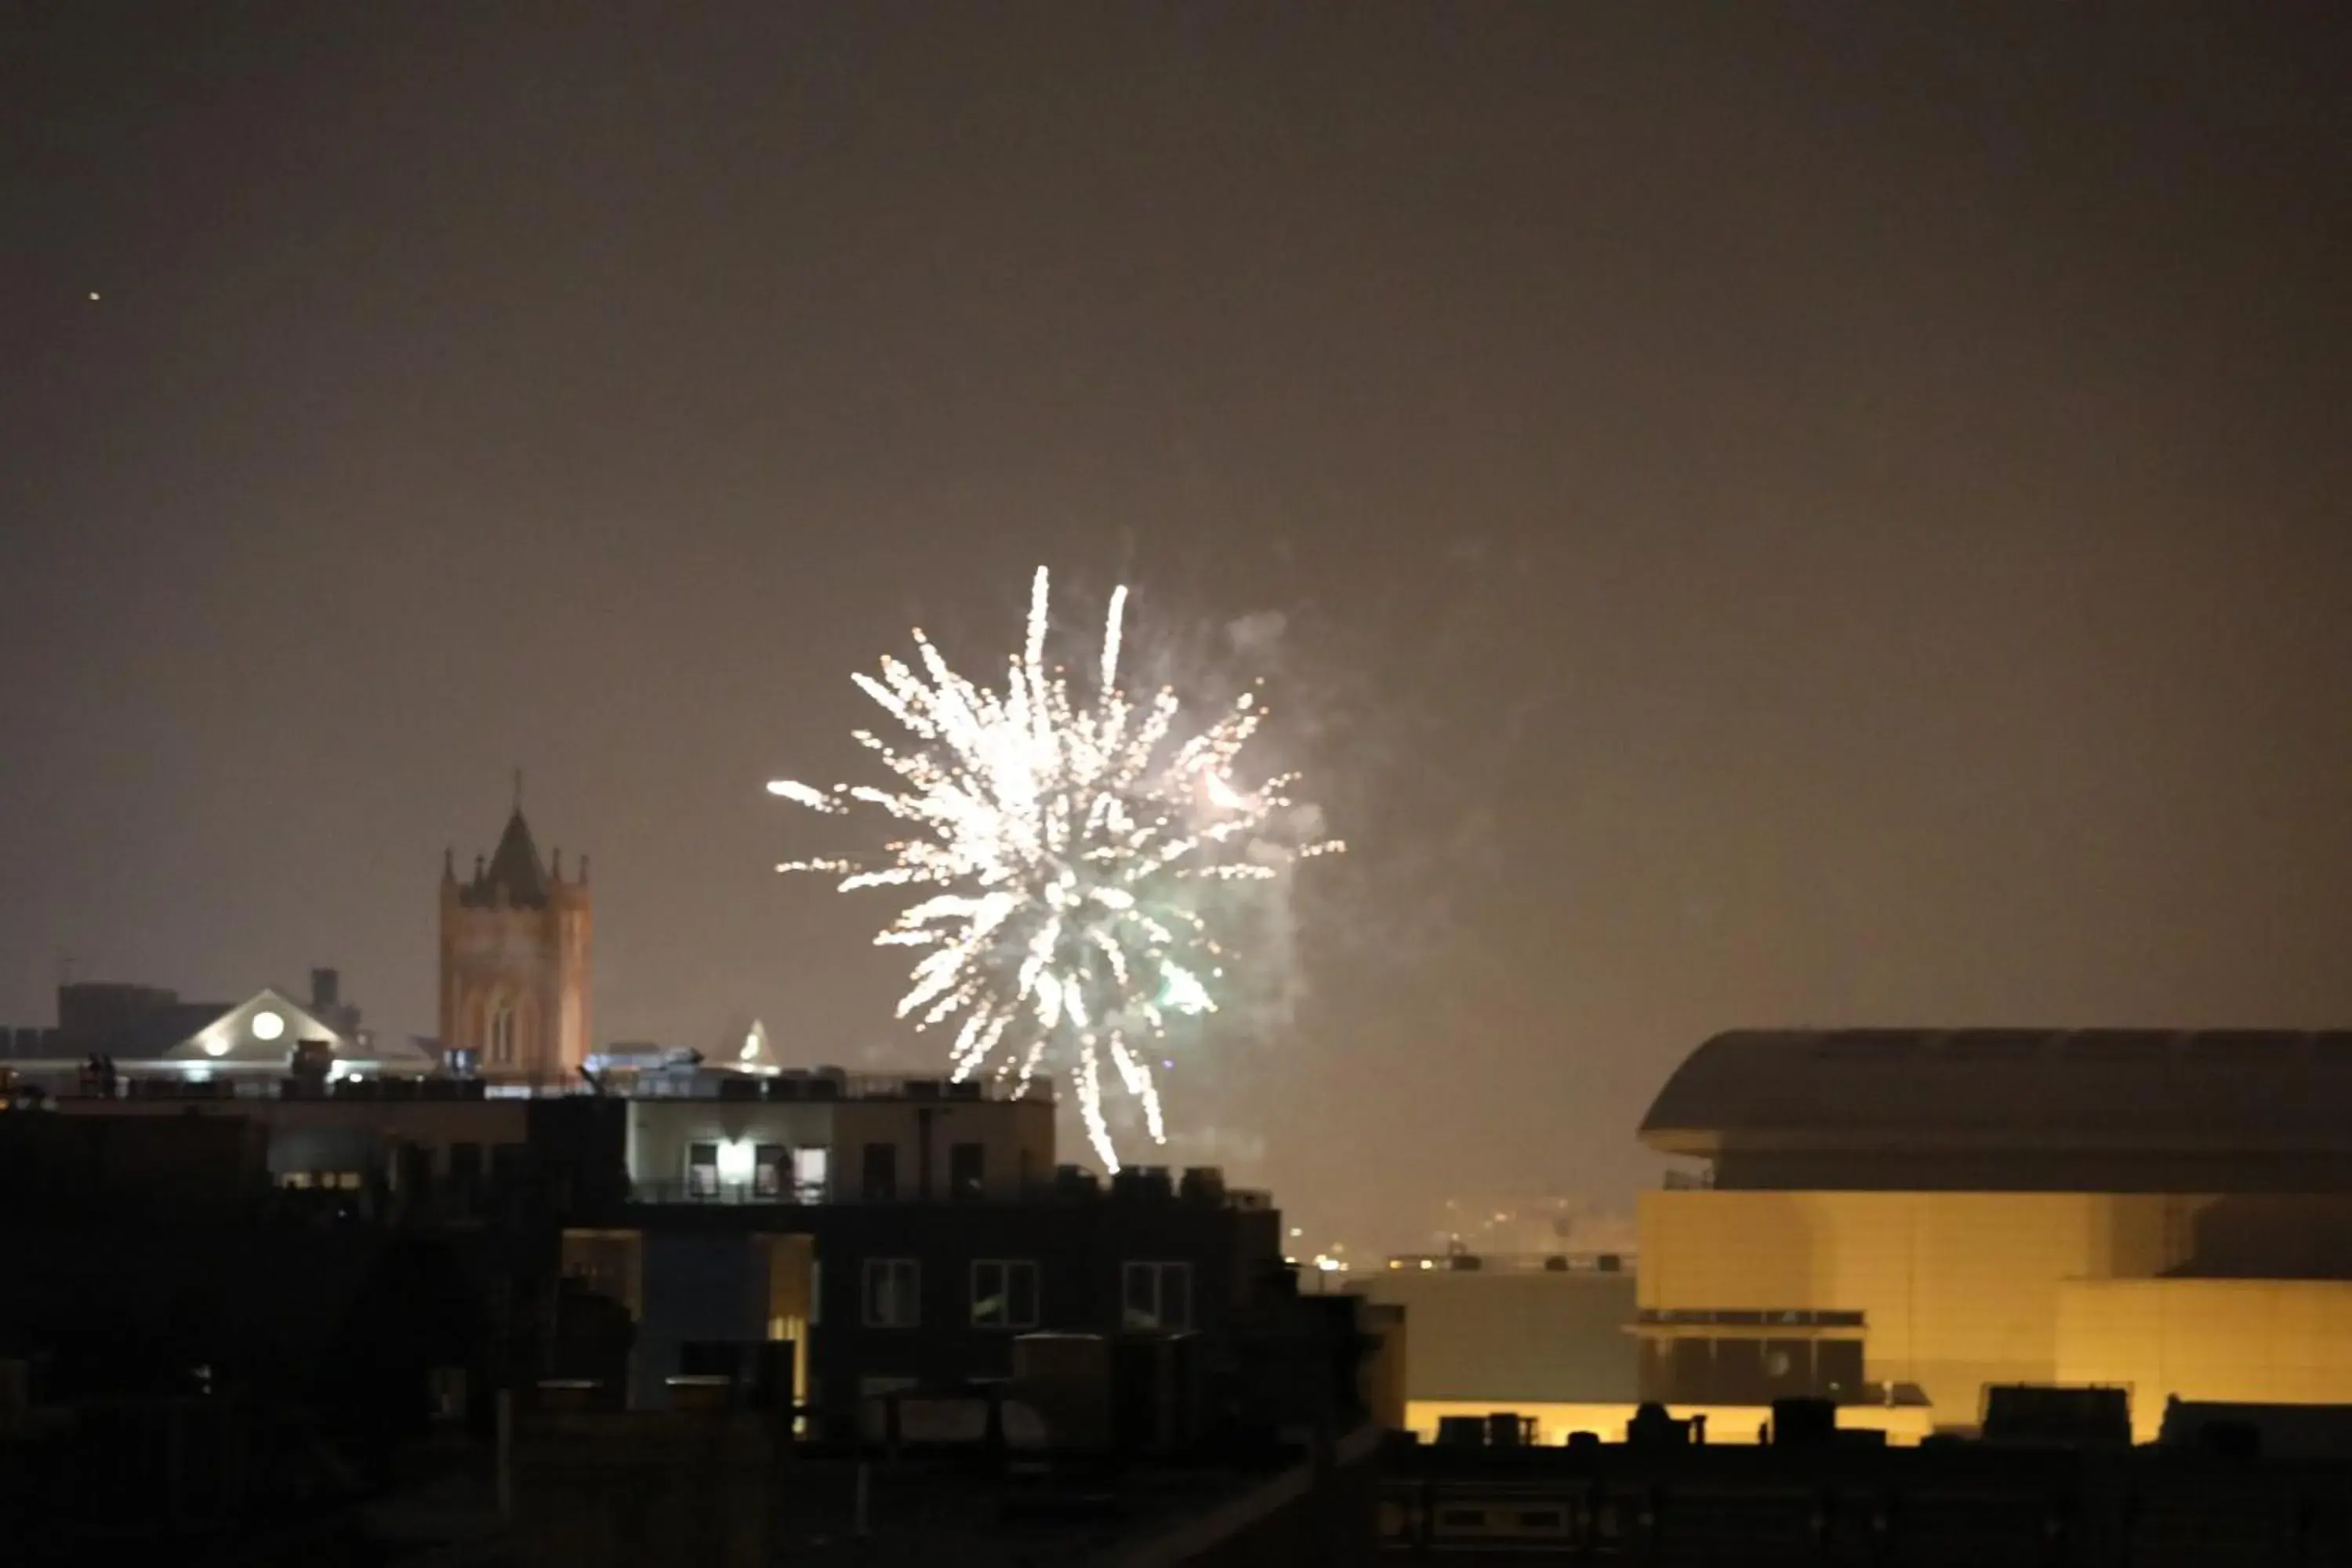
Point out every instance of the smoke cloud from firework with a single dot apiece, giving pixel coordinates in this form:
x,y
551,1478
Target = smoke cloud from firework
x,y
1079,861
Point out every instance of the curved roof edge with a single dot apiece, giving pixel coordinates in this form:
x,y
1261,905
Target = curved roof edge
x,y
2149,1089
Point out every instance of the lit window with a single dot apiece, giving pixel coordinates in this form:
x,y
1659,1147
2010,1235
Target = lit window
x,y
702,1169
734,1162
502,1035
1158,1296
1004,1293
809,1174
893,1293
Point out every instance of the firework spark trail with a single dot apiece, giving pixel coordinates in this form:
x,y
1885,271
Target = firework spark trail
x,y
1061,847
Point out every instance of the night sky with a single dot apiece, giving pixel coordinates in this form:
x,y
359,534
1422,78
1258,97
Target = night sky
x,y
1751,516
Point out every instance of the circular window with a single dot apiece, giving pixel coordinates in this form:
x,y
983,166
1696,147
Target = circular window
x,y
267,1025
214,1045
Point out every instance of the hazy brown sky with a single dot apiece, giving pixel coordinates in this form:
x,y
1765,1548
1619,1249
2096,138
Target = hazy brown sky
x,y
1822,514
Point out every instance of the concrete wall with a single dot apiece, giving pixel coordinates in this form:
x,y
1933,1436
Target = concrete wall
x,y
1957,1289
2227,1341
1514,1336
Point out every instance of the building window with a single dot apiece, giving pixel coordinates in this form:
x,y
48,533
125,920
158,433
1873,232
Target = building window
x,y
881,1184
810,1167
702,1169
1749,1369
1004,1293
965,1162
768,1172
502,1033
1158,1296
893,1293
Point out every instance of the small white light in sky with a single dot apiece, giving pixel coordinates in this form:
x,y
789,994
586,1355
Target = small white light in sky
x,y
93,296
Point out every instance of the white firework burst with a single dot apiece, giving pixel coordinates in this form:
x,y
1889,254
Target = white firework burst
x,y
1057,848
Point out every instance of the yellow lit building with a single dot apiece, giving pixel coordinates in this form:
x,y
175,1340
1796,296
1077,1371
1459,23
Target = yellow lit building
x,y
1901,1218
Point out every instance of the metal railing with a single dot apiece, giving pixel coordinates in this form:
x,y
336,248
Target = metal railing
x,y
244,1083
791,1194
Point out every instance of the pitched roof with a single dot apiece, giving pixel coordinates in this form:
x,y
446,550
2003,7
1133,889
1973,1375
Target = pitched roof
x,y
156,1033
179,1032
2168,1090
515,869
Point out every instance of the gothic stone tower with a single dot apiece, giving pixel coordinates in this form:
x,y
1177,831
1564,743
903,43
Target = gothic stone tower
x,y
514,961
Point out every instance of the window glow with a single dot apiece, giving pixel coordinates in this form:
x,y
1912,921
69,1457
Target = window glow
x,y
267,1026
216,1045
809,1167
735,1160
750,1046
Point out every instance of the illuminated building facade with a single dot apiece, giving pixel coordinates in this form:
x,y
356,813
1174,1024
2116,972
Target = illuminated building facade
x,y
515,951
826,1136
1543,1336
1902,1219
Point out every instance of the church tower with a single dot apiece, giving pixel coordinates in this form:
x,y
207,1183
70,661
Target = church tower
x,y
514,961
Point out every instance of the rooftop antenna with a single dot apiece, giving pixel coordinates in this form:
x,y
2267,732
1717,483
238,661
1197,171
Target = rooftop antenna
x,y
518,798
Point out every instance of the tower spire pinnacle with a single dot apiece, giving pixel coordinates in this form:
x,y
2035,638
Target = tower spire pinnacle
x,y
517,793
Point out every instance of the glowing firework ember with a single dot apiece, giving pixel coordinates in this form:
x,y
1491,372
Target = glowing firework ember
x,y
1063,847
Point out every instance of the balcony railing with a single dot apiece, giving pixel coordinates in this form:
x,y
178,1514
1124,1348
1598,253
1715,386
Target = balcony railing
x,y
175,1083
789,1196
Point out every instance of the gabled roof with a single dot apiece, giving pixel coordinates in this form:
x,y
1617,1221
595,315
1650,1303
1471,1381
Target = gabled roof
x,y
744,1047
154,1035
2157,1091
244,1034
515,869
183,1031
